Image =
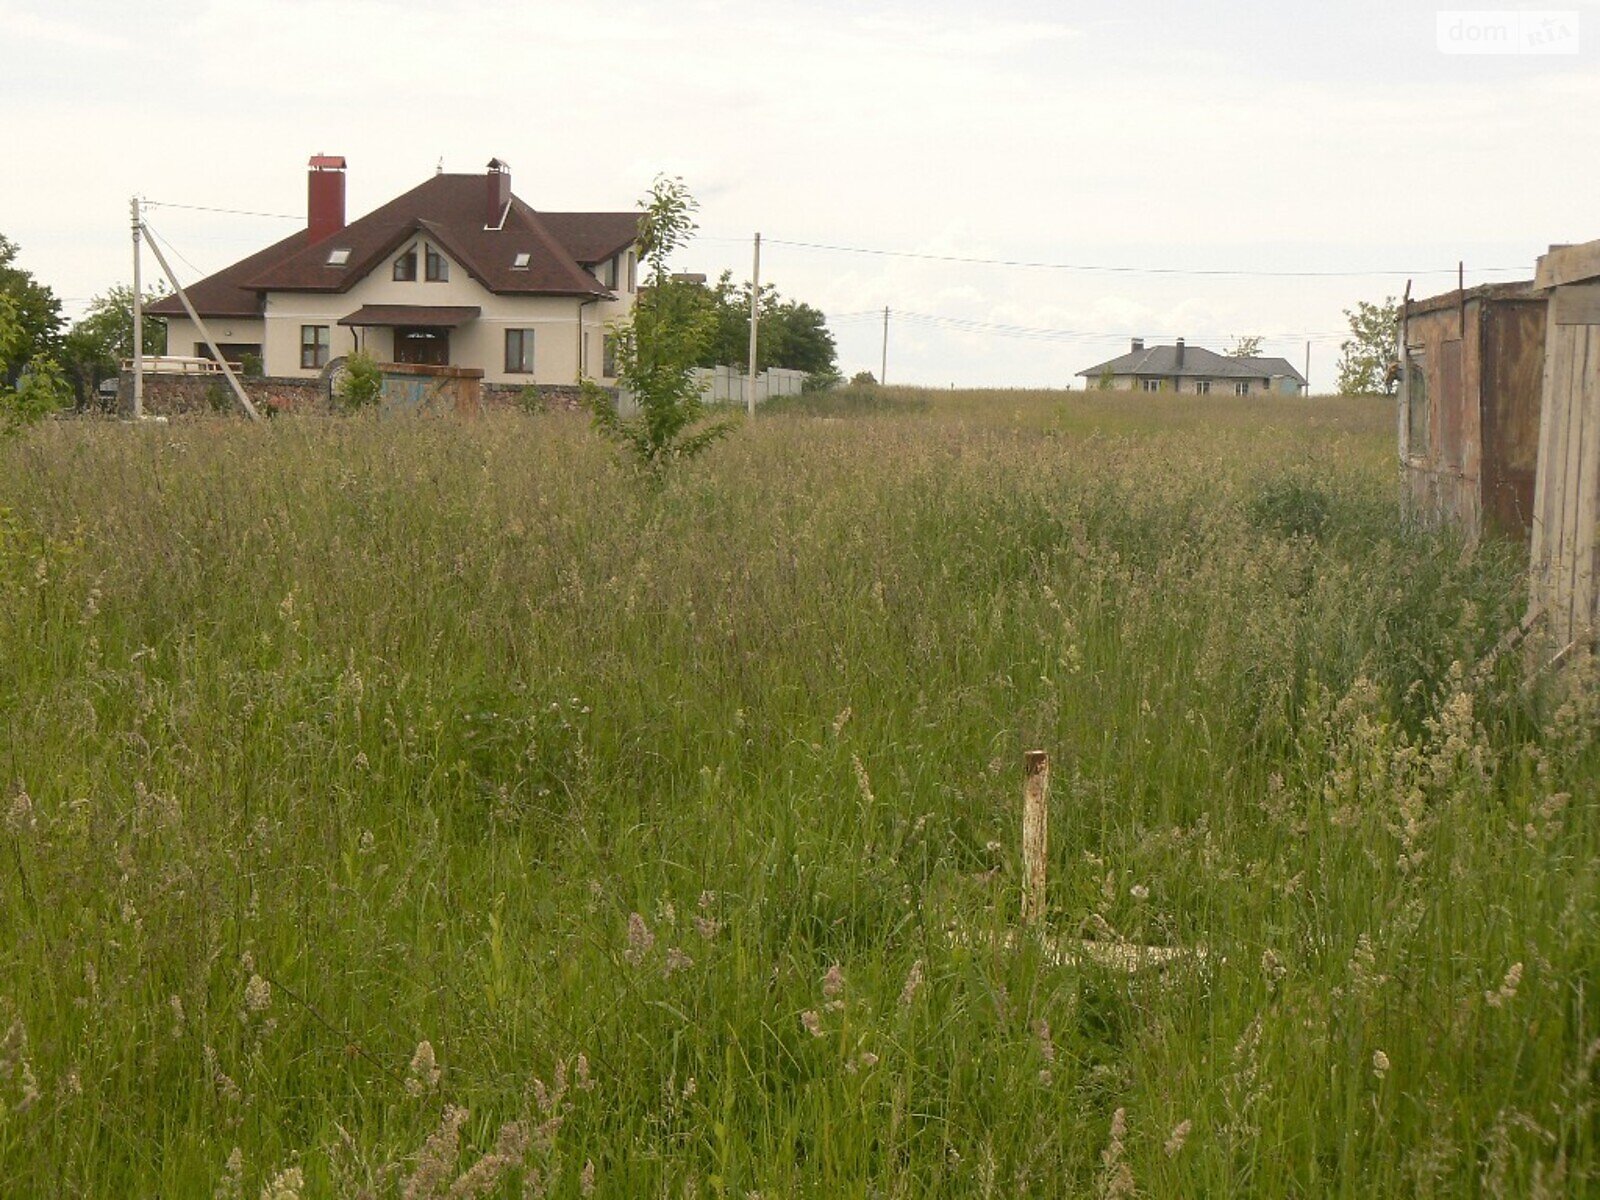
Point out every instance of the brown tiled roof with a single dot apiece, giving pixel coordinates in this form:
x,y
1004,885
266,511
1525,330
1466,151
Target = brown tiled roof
x,y
593,237
438,316
450,210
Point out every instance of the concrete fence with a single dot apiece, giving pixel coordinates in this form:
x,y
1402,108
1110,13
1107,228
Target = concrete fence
x,y
725,385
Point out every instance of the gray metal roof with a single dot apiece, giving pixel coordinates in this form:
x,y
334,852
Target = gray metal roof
x,y
1198,363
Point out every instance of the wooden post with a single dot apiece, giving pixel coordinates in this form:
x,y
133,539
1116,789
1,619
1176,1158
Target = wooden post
x,y
1035,832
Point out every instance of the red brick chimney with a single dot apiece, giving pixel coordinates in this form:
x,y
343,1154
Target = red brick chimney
x,y
324,196
497,194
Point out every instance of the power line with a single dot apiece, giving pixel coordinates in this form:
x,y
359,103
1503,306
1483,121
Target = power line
x,y
1121,270
174,249
1041,333
232,212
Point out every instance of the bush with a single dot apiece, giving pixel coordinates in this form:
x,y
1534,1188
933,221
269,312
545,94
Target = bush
x,y
361,384
253,367
863,379
39,392
529,401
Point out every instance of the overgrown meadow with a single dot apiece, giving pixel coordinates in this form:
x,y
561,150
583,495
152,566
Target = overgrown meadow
x,y
422,808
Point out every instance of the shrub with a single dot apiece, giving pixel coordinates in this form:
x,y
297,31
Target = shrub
x,y
360,385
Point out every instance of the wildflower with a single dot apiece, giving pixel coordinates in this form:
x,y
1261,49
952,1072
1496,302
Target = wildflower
x,y
1179,1135
640,940
436,1160
424,1074
1139,892
1116,1180
231,1185
1047,1050
867,1059
833,982
1380,1063
20,815
1272,966
1507,991
480,1178
285,1185
257,995
812,1020
839,721
863,784
581,1071
908,994
677,960
586,1179
175,1002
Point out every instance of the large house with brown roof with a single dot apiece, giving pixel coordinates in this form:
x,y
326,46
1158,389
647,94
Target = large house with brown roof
x,y
456,272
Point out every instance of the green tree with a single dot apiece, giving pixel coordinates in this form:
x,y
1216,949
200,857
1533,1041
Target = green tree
x,y
36,314
40,390
792,335
1373,344
360,383
659,348
1245,345
863,379
98,342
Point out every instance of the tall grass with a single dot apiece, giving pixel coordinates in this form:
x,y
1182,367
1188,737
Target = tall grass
x,y
675,822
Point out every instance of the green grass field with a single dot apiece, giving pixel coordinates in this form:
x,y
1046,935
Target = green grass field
x,y
429,808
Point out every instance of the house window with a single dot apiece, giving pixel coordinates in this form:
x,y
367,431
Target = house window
x,y
633,271
1242,388
521,261
1418,418
609,278
1202,387
438,268
519,352
608,357
338,258
313,347
1150,385
405,267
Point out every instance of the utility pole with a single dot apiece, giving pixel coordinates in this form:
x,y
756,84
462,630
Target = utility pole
x,y
755,319
883,367
1308,368
138,319
216,355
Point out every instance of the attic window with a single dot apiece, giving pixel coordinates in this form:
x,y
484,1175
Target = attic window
x,y
338,258
521,261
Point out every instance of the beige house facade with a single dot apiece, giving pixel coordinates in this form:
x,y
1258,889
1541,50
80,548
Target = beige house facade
x,y
1193,370
457,272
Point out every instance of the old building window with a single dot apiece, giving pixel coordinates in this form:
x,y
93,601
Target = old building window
x,y
1202,387
313,346
1242,388
1150,385
608,357
1418,418
609,275
519,352
438,267
405,267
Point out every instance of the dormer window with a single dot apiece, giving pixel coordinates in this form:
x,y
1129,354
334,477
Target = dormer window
x,y
521,261
338,258
405,267
438,267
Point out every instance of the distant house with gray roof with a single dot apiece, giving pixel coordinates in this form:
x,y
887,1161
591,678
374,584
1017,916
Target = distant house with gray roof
x,y
1195,370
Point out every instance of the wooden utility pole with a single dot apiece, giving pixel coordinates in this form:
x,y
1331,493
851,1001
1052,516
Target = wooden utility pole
x,y
755,319
138,317
1035,832
883,367
233,380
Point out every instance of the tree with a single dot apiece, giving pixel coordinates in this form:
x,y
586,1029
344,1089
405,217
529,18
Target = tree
x,y
36,314
1374,343
659,348
1245,345
793,335
98,342
40,387
863,379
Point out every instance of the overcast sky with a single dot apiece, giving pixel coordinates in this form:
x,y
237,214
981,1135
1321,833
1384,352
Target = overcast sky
x,y
1240,135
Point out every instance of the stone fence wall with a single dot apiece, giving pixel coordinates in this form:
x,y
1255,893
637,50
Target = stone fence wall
x,y
210,395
